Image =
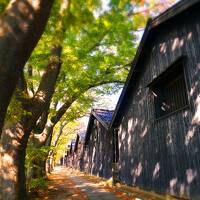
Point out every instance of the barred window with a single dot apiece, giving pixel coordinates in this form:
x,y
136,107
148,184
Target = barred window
x,y
169,91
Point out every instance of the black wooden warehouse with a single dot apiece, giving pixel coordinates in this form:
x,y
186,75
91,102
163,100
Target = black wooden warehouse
x,y
97,155
157,119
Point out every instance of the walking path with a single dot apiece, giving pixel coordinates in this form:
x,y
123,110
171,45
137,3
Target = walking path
x,y
68,184
92,189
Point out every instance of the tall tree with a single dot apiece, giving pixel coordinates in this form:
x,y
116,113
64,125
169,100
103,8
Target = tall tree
x,y
21,26
15,135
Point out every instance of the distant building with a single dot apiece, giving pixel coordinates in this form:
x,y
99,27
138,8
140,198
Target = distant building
x,y
70,154
97,153
80,139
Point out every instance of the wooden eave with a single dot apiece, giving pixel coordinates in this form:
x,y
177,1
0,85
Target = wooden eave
x,y
93,116
76,144
104,124
90,124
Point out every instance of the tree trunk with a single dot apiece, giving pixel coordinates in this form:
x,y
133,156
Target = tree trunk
x,y
39,141
12,167
14,140
50,162
39,169
21,26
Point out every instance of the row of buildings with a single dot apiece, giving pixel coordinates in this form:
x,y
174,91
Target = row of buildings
x,y
152,139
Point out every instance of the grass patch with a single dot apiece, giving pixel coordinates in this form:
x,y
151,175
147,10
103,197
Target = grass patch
x,y
38,183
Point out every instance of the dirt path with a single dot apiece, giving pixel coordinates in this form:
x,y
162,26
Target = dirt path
x,y
66,186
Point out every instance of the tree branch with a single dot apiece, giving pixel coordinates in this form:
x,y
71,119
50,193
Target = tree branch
x,y
67,104
21,92
62,125
22,84
21,26
42,122
98,43
47,84
30,75
41,100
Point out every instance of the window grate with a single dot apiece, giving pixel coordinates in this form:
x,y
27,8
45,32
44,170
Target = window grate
x,y
170,92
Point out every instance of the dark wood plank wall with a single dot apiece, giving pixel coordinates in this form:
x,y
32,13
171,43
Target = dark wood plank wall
x,y
77,156
164,155
84,159
97,158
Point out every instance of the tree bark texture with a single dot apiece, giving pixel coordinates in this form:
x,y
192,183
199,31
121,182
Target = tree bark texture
x,y
21,27
50,160
14,139
37,168
39,163
12,158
